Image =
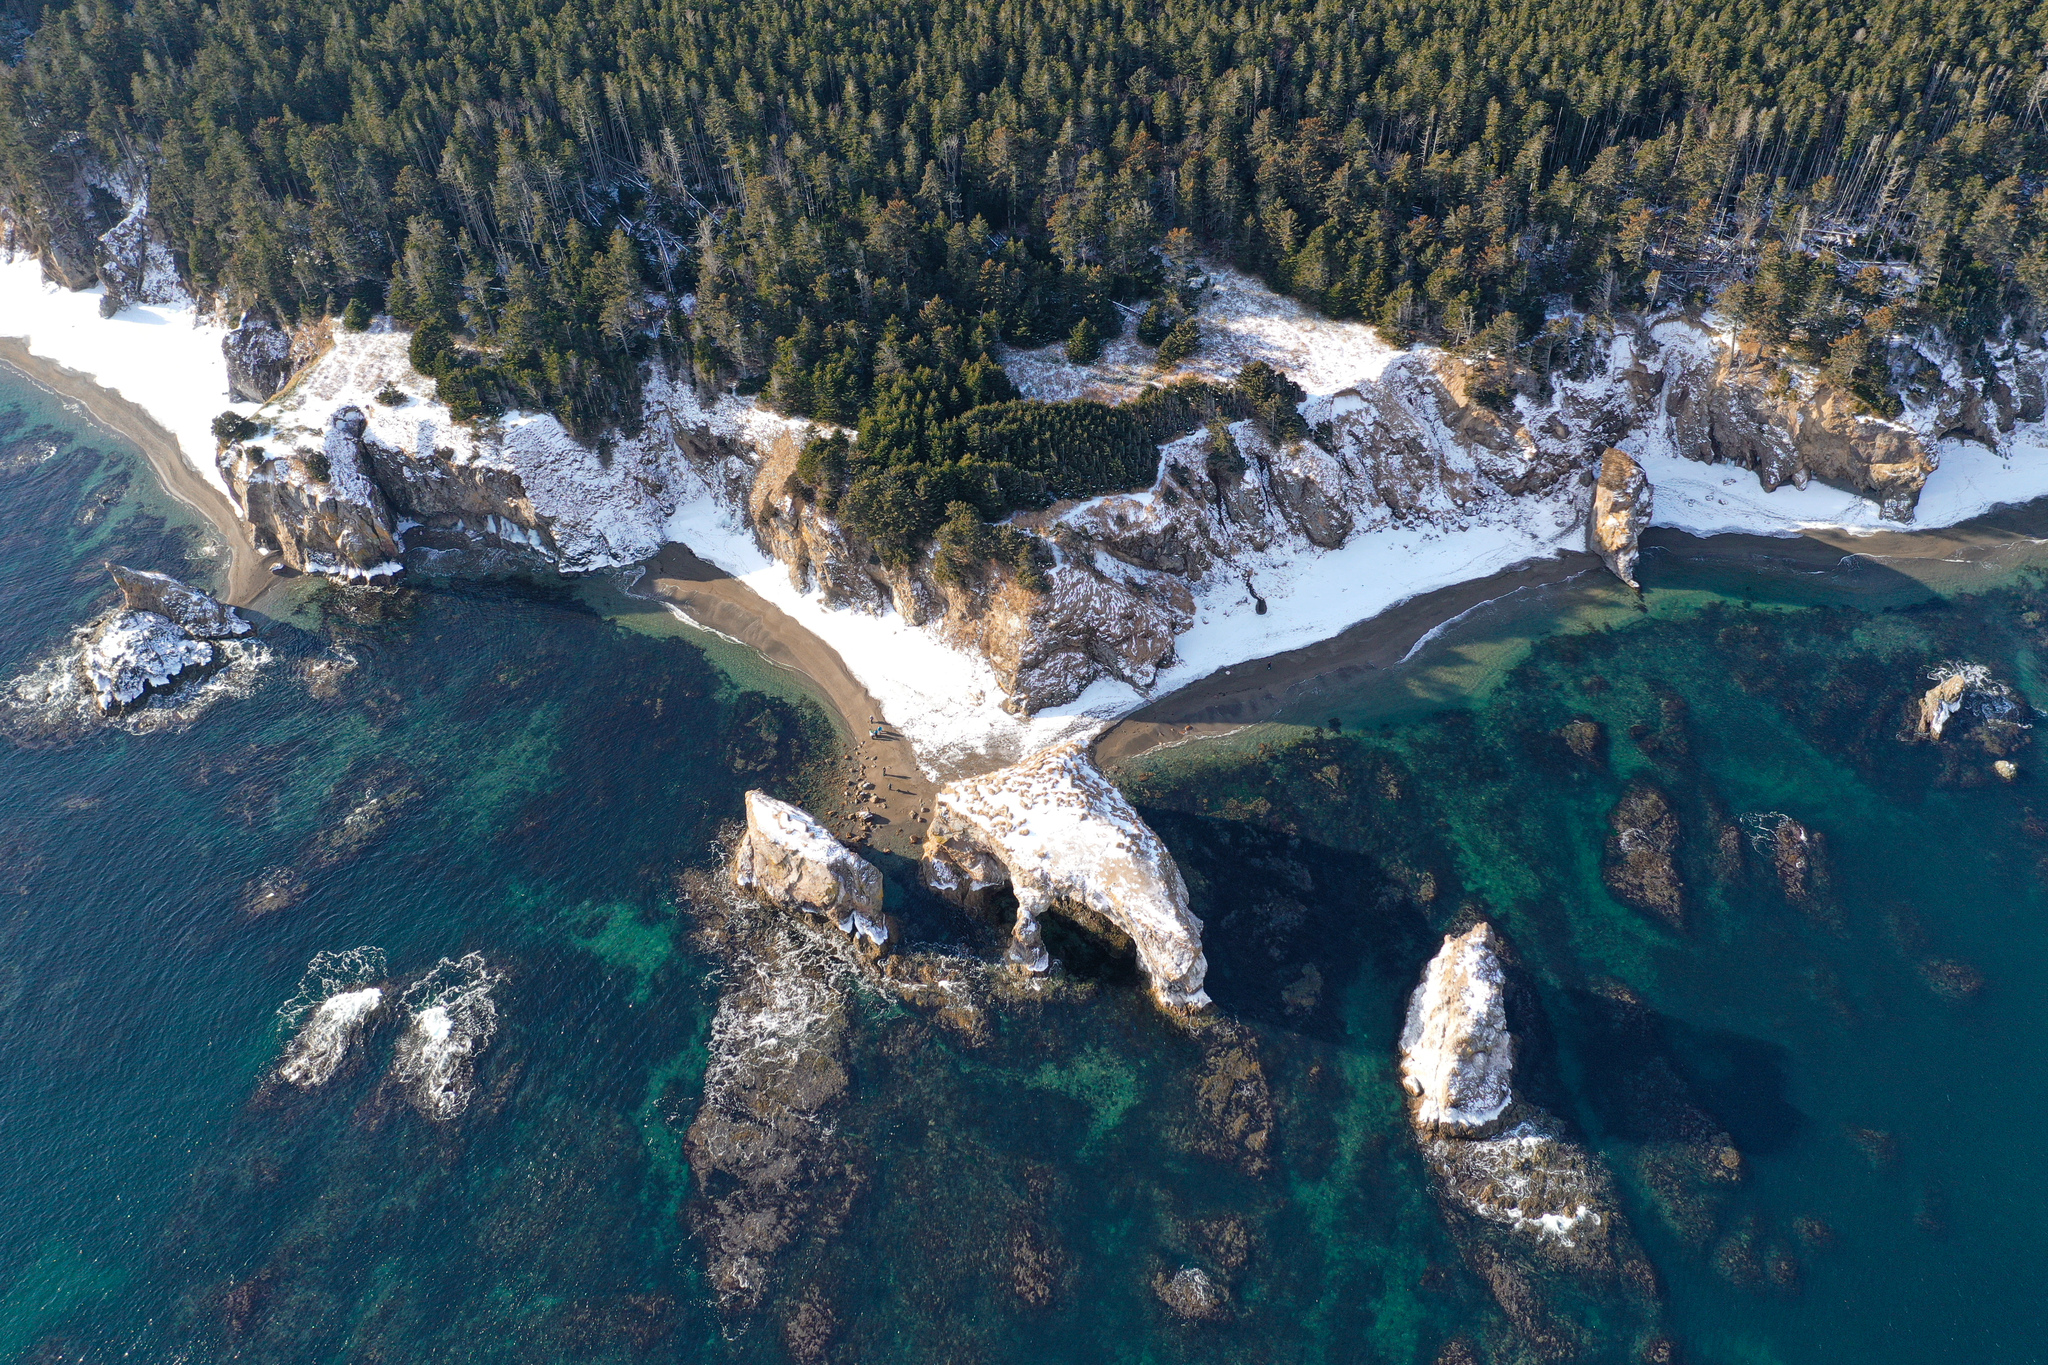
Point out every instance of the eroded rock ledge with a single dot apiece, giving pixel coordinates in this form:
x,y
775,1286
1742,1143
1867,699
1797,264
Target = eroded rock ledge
x,y
1053,830
788,859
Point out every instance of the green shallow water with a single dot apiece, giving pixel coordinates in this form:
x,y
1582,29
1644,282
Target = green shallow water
x,y
537,775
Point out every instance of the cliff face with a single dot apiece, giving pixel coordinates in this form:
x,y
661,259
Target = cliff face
x,y
317,506
1056,833
497,494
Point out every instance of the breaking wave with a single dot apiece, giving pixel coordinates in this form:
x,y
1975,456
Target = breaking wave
x,y
334,1000
452,1021
49,703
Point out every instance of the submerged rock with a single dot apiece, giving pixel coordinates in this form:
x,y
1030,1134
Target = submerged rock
x,y
788,859
1621,510
1057,833
1193,1295
1457,1057
1640,869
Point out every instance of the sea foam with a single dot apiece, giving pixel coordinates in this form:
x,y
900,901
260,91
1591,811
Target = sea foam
x,y
333,1003
452,1021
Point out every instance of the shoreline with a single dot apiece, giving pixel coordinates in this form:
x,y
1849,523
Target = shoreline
x,y
714,600
246,576
1260,690
1221,702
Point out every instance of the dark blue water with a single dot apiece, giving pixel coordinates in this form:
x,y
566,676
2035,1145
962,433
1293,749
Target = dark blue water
x,y
513,795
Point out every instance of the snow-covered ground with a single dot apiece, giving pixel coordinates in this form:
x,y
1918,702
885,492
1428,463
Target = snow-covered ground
x,y
1241,321
163,358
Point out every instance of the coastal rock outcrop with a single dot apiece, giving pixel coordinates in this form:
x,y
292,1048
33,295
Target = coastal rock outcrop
x,y
195,612
1730,404
788,859
259,356
1621,512
1055,832
1496,1156
1961,686
1395,442
162,632
134,652
317,507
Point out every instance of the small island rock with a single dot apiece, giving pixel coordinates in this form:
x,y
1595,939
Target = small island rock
x,y
135,652
161,633
788,859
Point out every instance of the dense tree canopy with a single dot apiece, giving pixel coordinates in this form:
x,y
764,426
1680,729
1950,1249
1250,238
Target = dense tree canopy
x,y
862,197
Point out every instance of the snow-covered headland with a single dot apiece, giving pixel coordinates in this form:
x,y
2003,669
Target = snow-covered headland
x,y
1411,483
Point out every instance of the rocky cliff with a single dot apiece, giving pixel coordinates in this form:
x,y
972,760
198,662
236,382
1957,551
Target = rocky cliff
x,y
1414,442
1054,832
788,859
316,506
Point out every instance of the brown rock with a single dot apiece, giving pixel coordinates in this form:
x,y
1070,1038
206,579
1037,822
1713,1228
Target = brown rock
x,y
1640,870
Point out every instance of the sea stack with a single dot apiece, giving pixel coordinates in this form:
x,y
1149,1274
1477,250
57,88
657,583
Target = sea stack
x,y
787,859
1497,1156
1457,1057
1621,510
1053,830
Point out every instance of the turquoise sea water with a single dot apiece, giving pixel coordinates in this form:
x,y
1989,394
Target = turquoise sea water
x,y
513,794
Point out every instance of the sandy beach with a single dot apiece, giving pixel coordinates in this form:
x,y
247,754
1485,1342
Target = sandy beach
x,y
247,575
715,600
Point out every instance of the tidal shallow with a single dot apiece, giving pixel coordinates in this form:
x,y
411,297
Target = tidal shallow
x,y
386,1008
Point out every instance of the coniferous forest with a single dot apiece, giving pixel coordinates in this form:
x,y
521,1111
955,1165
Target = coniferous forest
x,y
848,204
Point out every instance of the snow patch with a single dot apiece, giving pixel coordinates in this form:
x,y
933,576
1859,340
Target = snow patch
x,y
165,358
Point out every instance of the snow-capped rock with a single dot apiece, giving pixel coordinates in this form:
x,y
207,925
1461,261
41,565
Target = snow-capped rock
x,y
1497,1156
1621,513
1457,1057
1058,834
316,506
193,611
787,858
134,652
